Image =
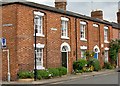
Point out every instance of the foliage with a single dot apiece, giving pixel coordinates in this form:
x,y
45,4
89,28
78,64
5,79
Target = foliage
x,y
114,49
95,63
89,54
88,69
51,72
78,65
62,71
54,71
107,65
43,74
25,74
78,71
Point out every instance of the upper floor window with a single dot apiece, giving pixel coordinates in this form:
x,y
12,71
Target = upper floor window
x,y
95,25
82,30
38,23
105,34
64,27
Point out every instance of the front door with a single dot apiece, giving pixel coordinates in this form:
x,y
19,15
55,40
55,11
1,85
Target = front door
x,y
96,55
64,59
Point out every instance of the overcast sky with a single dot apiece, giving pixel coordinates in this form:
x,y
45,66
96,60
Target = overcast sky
x,y
84,7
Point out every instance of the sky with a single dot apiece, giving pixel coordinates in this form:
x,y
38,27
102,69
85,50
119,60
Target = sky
x,y
84,7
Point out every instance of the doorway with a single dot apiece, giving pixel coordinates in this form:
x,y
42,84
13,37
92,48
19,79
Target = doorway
x,y
64,59
65,48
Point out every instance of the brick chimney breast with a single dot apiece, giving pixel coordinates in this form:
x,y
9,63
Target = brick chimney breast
x,y
118,17
61,4
97,14
118,13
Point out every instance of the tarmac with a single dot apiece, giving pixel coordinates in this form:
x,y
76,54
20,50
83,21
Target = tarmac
x,y
63,78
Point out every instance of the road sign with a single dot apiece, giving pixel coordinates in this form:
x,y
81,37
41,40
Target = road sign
x,y
3,41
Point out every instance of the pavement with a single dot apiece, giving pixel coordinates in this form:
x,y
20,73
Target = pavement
x,y
64,78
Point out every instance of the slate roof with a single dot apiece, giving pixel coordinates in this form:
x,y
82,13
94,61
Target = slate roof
x,y
69,13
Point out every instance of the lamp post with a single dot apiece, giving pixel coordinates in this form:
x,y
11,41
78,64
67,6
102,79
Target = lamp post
x,y
35,69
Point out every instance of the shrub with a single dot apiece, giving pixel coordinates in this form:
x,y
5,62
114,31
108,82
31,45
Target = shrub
x,y
107,65
43,74
87,69
78,65
25,74
54,71
95,63
79,71
62,71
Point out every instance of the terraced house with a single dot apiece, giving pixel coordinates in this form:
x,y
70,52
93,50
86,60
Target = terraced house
x,y
62,36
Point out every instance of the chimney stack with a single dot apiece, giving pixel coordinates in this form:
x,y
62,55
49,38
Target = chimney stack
x,y
61,4
97,14
118,13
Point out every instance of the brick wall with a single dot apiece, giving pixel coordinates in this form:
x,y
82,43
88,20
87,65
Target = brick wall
x,y
115,33
9,32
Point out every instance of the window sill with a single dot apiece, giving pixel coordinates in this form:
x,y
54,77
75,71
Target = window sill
x,y
62,37
41,35
83,39
106,42
40,68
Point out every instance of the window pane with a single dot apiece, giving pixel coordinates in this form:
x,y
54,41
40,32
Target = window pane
x,y
39,57
38,24
64,28
82,31
105,34
106,56
82,54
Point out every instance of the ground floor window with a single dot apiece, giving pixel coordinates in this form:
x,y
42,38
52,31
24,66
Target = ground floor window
x,y
83,54
39,58
106,56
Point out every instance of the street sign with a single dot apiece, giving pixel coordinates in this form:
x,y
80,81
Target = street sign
x,y
3,41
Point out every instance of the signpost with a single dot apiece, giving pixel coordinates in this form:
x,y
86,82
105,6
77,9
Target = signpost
x,y
8,59
3,41
3,46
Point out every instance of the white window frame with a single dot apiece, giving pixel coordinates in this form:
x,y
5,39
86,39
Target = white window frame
x,y
39,15
106,34
38,56
83,49
83,31
106,56
95,25
83,54
39,46
64,28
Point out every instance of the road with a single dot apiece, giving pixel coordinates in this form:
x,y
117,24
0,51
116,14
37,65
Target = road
x,y
110,78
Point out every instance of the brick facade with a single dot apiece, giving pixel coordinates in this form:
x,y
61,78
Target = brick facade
x,y
20,38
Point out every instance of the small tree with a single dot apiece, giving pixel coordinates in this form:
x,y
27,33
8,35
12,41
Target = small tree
x,y
89,54
114,49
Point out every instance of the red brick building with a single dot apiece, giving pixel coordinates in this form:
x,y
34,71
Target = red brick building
x,y
62,36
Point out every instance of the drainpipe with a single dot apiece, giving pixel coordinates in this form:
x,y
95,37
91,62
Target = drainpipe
x,y
46,40
76,36
8,59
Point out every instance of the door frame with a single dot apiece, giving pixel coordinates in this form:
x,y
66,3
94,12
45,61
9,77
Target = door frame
x,y
66,57
67,51
96,50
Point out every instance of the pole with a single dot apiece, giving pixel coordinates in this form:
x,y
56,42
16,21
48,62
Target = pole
x,y
8,59
35,70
